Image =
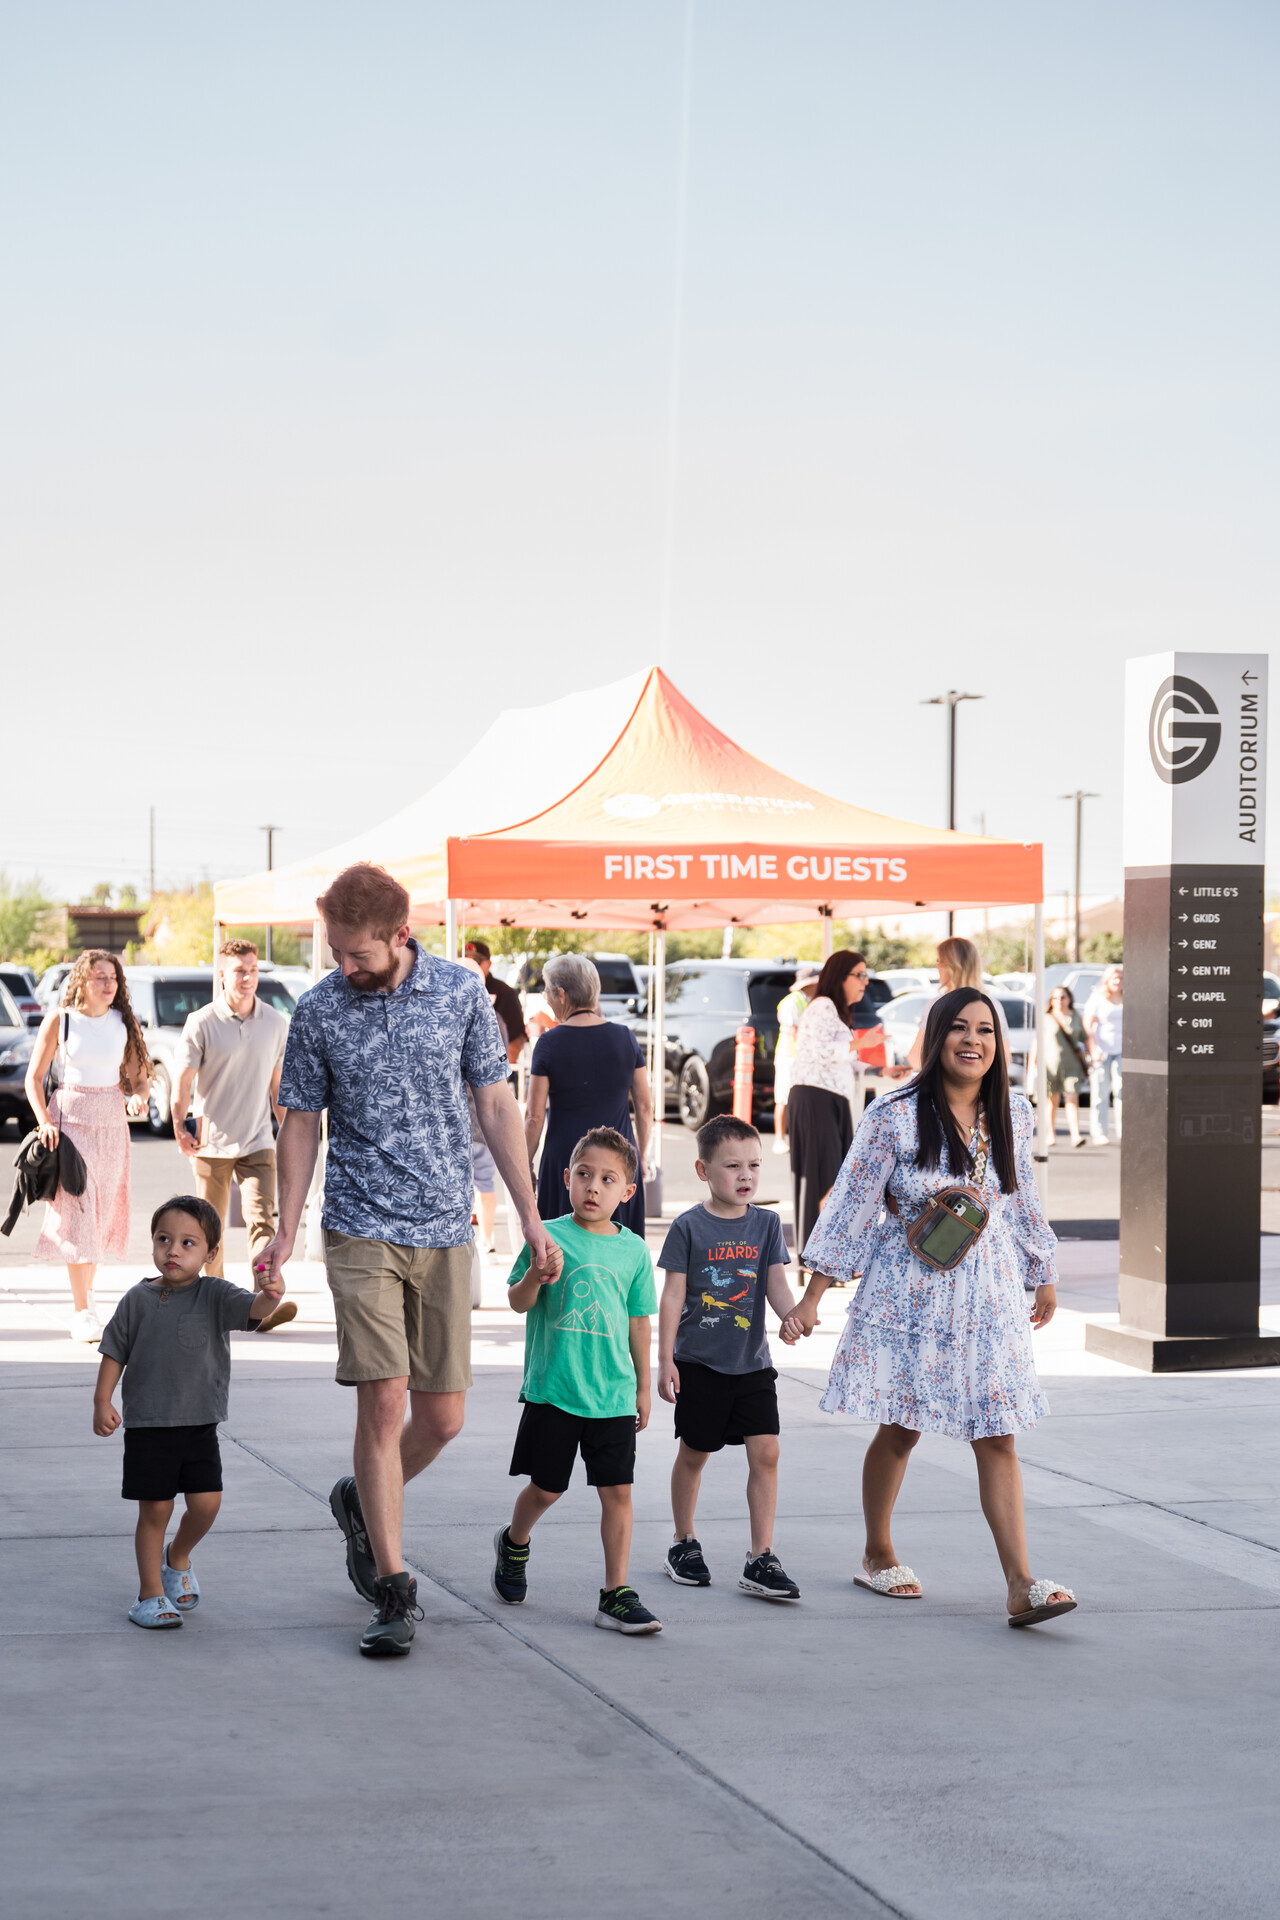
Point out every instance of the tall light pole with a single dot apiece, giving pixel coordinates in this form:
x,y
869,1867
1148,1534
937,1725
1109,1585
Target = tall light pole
x,y
271,833
951,700
1079,796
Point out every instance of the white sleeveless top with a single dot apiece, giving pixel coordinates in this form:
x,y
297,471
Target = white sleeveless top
x,y
94,1050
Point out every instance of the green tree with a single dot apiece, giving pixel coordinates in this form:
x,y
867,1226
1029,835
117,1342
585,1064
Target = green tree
x,y
1106,947
22,903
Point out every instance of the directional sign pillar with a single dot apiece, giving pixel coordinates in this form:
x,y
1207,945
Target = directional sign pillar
x,y
1191,1160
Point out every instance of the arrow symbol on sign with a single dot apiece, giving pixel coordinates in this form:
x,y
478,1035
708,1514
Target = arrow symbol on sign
x,y
1182,1023
1182,943
1182,996
1182,891
1182,1049
1247,677
1182,916
1181,969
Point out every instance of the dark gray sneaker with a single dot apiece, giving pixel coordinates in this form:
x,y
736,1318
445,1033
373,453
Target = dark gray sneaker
x,y
622,1611
685,1565
764,1576
510,1576
391,1629
344,1504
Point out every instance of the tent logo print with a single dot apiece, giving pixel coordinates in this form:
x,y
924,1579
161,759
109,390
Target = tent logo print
x,y
1185,731
632,806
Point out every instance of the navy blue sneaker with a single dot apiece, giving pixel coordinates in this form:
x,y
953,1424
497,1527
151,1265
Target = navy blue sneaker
x,y
509,1577
685,1565
621,1611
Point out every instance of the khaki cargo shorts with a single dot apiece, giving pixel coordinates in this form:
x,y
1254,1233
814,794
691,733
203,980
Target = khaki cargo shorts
x,y
401,1310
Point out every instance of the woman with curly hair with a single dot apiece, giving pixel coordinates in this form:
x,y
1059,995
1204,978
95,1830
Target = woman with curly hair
x,y
101,1056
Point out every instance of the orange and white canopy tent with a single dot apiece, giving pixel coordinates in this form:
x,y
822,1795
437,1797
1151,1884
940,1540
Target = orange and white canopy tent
x,y
667,824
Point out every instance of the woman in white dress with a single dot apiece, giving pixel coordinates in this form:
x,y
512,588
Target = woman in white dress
x,y
102,1064
925,1351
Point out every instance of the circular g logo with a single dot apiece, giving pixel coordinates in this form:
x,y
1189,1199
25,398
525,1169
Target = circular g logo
x,y
1185,730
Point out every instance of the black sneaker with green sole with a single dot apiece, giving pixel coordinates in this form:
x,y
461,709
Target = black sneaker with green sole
x,y
391,1629
362,1570
621,1611
509,1578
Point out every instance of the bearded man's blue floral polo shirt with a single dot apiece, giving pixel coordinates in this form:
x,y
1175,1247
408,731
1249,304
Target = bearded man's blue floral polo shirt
x,y
390,1068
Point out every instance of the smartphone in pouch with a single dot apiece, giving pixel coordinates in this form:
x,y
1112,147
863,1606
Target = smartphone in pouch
x,y
952,1233
193,1126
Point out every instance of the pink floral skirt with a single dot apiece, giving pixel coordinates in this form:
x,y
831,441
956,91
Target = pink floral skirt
x,y
93,1226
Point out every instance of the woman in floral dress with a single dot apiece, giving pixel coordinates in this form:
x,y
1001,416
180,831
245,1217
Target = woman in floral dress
x,y
930,1352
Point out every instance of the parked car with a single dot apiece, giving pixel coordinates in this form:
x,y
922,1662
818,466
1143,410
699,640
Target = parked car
x,y
17,1044
1271,1062
1081,977
909,979
50,984
621,992
21,983
707,1001
162,998
901,1020
296,979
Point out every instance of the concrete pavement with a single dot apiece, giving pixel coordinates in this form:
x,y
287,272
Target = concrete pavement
x,y
845,1756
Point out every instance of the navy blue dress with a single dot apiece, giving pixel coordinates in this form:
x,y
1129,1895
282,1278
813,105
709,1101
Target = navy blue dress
x,y
589,1072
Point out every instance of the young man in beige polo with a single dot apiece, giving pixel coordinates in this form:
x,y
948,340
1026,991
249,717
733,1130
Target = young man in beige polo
x,y
388,1044
231,1055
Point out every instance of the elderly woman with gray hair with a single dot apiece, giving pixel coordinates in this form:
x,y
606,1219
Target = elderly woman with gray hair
x,y
584,1073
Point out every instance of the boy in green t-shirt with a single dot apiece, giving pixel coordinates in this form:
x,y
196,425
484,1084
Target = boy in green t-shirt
x,y
586,1374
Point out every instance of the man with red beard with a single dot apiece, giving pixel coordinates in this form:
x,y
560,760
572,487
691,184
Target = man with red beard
x,y
388,1044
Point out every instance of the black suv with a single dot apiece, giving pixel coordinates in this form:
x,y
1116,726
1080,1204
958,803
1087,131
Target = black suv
x,y
707,1001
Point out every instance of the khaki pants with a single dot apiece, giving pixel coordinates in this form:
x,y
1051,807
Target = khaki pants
x,y
256,1173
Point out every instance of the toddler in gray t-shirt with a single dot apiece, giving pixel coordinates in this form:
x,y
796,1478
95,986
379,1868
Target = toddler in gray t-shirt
x,y
170,1339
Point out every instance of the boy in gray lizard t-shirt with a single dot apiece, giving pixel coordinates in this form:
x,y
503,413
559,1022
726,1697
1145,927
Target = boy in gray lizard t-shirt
x,y
170,1338
722,1261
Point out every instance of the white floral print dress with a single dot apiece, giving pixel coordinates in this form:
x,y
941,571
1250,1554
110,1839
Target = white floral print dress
x,y
936,1352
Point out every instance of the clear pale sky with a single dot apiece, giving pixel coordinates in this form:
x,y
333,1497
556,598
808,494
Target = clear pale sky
x,y
337,344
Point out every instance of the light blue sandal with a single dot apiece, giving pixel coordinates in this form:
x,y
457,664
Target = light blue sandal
x,y
181,1587
155,1611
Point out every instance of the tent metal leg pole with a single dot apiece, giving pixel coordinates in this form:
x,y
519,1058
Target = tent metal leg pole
x,y
450,929
317,950
828,935
1042,1076
218,931
659,1042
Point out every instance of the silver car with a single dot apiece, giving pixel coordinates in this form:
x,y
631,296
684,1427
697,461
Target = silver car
x,y
17,1044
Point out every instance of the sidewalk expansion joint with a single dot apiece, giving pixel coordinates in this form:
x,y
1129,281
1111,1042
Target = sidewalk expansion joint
x,y
682,1754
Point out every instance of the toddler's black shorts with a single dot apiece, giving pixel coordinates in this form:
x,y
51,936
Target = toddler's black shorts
x,y
548,1441
715,1410
160,1462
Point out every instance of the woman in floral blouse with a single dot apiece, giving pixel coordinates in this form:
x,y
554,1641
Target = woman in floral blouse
x,y
819,1110
930,1352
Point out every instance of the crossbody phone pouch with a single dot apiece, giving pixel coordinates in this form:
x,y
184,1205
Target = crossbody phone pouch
x,y
950,1222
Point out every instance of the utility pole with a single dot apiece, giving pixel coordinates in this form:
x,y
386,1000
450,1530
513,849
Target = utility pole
x,y
271,833
951,700
152,894
1079,796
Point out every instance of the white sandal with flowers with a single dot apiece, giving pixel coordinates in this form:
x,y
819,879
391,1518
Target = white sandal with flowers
x,y
886,1580
1038,1608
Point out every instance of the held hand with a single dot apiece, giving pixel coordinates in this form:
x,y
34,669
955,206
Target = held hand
x,y
546,1260
268,1268
668,1383
801,1321
272,1289
49,1136
105,1419
1045,1306
136,1105
184,1143
642,1409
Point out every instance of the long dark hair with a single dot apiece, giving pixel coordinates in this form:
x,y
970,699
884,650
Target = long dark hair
x,y
835,972
935,1121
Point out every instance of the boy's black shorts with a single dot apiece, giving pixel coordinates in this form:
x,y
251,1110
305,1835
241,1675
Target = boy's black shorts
x,y
714,1409
160,1462
548,1440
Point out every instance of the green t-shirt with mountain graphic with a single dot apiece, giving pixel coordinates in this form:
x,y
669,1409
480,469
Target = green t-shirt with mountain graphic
x,y
577,1349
